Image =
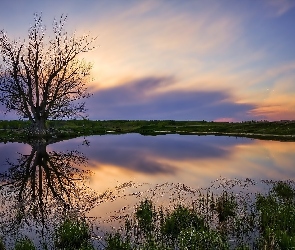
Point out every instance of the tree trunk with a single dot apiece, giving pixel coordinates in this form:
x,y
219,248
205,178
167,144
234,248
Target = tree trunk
x,y
39,127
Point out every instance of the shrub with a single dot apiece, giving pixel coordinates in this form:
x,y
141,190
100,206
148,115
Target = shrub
x,y
179,219
284,190
146,215
191,239
24,244
2,246
225,206
73,234
277,217
116,242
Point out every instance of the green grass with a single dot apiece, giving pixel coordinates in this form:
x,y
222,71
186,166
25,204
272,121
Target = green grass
x,y
283,131
24,244
182,228
277,217
212,221
2,246
73,234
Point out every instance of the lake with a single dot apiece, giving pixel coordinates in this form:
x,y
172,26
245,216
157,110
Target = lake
x,y
41,180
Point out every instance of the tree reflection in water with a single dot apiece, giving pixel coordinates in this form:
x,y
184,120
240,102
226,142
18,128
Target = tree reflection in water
x,y
41,188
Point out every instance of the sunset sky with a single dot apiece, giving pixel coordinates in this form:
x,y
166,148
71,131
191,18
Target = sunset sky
x,y
215,60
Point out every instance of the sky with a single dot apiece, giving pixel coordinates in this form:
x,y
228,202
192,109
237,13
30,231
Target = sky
x,y
230,60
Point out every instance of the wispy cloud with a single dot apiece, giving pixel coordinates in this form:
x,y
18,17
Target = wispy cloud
x,y
152,155
233,50
280,7
158,38
140,99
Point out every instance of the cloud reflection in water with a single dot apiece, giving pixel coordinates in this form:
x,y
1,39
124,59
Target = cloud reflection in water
x,y
193,160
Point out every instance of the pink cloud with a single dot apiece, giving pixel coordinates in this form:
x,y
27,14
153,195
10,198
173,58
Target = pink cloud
x,y
280,7
225,119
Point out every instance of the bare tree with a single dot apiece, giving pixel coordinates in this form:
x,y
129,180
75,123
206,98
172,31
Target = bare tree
x,y
42,77
41,187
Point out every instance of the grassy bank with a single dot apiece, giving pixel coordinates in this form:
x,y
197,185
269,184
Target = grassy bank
x,y
282,131
212,221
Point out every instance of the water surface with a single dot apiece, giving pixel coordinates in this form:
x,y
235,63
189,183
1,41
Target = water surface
x,y
44,180
193,160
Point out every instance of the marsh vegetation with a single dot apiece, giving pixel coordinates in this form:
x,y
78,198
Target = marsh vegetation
x,y
282,131
46,197
220,220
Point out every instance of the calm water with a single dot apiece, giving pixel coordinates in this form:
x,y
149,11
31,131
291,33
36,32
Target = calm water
x,y
42,181
193,160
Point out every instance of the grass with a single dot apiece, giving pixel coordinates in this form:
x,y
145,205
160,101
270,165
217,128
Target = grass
x,y
24,244
283,131
2,246
277,217
73,234
182,228
212,221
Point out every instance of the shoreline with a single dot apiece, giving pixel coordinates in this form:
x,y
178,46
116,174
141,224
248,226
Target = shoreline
x,y
15,131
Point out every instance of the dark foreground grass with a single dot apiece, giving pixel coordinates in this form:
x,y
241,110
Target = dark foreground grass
x,y
73,234
282,131
220,221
